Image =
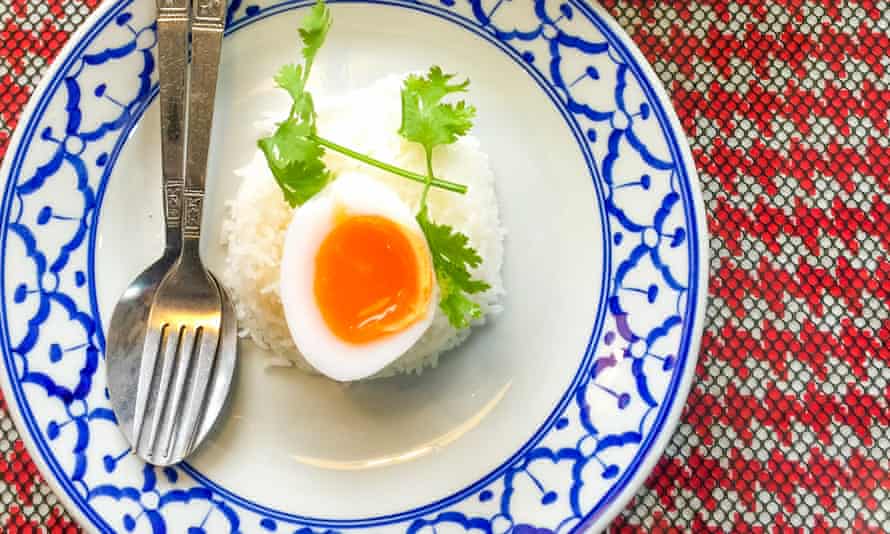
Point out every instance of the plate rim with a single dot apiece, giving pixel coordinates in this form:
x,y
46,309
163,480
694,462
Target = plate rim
x,y
613,504
658,445
61,62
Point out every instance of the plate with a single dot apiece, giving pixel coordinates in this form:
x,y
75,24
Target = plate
x,y
546,420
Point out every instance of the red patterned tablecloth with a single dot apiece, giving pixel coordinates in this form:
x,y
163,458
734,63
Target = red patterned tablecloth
x,y
787,104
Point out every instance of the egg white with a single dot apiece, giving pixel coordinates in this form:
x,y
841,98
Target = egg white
x,y
352,193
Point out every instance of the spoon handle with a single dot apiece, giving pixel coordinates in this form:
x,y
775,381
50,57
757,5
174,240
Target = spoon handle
x,y
207,31
173,27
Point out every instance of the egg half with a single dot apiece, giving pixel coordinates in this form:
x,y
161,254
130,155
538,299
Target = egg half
x,y
357,282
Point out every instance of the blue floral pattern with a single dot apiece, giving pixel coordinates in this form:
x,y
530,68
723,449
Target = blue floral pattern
x,y
581,462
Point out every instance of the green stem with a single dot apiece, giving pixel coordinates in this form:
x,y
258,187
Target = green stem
x,y
429,175
306,70
427,181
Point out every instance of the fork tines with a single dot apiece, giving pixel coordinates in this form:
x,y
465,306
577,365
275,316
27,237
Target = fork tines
x,y
177,366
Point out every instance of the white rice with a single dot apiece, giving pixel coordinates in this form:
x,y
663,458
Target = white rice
x,y
366,120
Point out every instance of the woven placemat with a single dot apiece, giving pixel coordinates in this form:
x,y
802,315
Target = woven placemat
x,y
786,104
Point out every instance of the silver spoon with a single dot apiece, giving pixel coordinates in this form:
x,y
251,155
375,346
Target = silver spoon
x,y
127,328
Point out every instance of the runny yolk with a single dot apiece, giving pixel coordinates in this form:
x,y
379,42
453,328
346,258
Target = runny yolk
x,y
373,278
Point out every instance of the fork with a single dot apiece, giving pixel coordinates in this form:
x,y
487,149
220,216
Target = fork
x,y
184,322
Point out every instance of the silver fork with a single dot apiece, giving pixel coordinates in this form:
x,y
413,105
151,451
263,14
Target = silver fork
x,y
183,329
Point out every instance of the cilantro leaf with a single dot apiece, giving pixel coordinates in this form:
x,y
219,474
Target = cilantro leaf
x,y
314,29
425,118
295,161
459,309
290,78
452,259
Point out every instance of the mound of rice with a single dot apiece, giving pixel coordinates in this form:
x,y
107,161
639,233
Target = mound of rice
x,y
366,120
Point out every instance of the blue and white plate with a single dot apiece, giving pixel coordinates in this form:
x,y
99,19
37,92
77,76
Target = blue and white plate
x,y
547,420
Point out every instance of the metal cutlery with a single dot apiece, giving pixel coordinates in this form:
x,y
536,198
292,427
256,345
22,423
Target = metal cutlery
x,y
172,339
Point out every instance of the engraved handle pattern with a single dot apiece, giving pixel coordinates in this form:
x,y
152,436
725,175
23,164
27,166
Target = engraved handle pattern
x,y
173,203
207,33
211,10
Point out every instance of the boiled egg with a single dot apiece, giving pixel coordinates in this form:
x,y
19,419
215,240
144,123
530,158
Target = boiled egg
x,y
357,283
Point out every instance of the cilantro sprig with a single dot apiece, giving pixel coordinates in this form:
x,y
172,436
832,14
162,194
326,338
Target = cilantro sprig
x,y
294,157
429,121
295,150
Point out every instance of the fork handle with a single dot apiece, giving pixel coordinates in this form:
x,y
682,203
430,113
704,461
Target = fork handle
x,y
173,27
207,31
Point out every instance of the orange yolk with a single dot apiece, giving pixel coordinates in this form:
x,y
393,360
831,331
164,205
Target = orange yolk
x,y
373,278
